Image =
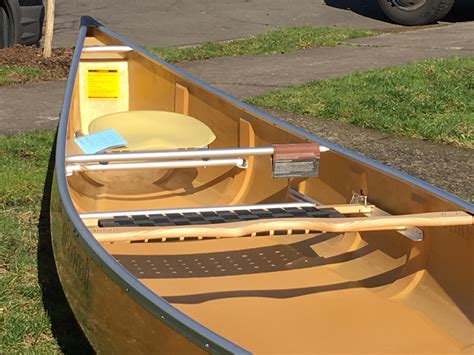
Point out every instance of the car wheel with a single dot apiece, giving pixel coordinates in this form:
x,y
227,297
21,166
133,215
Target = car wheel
x,y
415,12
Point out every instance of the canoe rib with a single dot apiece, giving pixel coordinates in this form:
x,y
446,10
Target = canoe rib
x,y
246,228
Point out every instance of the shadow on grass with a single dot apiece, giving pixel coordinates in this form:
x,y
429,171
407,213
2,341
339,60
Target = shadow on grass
x,y
366,8
64,326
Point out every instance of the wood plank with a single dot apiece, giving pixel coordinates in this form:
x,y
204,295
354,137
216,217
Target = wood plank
x,y
239,229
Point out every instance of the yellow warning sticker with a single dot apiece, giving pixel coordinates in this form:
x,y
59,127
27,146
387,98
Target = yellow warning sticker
x,y
103,83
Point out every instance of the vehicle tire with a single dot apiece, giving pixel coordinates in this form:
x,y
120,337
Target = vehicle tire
x,y
31,29
9,22
415,12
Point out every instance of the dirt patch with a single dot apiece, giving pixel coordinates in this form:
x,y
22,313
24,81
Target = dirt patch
x,y
53,68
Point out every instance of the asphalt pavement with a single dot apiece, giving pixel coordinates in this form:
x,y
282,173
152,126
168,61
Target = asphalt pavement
x,y
186,22
252,75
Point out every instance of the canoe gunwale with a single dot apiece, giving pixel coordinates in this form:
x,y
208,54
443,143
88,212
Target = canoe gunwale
x,y
198,334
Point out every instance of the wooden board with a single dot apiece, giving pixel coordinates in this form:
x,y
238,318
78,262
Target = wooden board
x,y
244,228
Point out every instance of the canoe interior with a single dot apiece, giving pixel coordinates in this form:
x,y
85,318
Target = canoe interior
x,y
328,292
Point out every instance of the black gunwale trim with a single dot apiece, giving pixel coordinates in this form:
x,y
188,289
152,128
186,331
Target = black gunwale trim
x,y
160,308
156,305
88,21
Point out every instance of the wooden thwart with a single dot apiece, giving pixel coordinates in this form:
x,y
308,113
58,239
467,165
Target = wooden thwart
x,y
245,228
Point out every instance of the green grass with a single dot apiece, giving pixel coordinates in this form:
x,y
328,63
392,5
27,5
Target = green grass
x,y
276,41
26,327
16,74
432,100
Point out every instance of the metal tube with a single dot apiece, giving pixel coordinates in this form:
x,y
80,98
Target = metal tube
x,y
241,163
171,154
196,210
107,49
295,194
174,154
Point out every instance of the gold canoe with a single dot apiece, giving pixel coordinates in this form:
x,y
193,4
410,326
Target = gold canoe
x,y
218,228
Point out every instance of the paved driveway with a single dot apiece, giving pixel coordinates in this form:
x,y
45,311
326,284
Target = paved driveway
x,y
182,22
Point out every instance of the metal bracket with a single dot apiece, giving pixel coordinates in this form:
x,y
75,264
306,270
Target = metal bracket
x,y
412,233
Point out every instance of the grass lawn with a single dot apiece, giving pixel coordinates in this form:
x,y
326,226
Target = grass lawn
x,y
275,41
17,74
23,164
432,100
25,255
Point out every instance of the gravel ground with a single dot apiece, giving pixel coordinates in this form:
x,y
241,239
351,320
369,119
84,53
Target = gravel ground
x,y
448,167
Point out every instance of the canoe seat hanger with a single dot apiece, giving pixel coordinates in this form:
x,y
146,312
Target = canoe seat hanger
x,y
166,159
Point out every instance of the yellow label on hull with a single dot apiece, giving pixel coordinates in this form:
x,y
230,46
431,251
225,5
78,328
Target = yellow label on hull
x,y
103,83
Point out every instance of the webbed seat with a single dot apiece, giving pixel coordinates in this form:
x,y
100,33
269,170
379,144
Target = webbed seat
x,y
156,130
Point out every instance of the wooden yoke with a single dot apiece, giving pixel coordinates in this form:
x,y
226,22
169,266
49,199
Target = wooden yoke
x,y
251,228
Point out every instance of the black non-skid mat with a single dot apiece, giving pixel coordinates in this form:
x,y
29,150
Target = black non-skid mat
x,y
186,219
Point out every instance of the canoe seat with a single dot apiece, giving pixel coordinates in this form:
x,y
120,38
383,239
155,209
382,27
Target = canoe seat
x,y
156,130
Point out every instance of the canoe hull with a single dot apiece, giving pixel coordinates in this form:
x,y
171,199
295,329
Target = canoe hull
x,y
119,314
112,320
